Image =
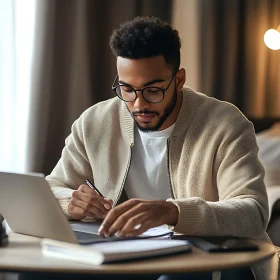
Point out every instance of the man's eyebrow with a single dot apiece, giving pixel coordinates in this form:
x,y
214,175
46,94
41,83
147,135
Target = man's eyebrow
x,y
145,85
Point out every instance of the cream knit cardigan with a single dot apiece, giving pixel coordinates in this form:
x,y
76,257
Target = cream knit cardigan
x,y
216,179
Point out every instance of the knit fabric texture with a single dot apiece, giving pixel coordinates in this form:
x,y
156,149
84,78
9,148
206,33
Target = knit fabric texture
x,y
216,179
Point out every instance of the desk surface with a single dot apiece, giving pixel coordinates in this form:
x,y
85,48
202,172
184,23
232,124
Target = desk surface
x,y
24,254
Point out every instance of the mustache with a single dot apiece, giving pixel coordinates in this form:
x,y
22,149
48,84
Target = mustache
x,y
144,112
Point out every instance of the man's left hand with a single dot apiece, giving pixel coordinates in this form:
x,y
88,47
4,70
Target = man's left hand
x,y
135,216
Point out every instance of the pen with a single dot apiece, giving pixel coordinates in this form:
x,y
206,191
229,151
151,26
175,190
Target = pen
x,y
92,186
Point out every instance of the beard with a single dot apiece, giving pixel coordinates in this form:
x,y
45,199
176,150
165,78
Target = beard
x,y
167,112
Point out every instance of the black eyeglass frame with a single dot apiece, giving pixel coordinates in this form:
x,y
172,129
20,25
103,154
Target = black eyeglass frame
x,y
163,90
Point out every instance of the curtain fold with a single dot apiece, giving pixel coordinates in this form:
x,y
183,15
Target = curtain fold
x,y
73,66
16,33
262,64
186,20
235,64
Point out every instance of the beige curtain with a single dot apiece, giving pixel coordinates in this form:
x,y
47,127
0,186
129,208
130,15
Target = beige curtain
x,y
73,66
185,19
228,54
262,65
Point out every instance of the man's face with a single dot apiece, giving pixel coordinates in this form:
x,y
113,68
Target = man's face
x,y
139,73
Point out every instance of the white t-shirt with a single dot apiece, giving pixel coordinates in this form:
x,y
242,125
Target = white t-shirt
x,y
148,174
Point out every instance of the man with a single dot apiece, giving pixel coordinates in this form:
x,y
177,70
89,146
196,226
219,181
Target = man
x,y
161,153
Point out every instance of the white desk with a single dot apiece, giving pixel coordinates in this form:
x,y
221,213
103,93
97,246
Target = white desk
x,y
24,254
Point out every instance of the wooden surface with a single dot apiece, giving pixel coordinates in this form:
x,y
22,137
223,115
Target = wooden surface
x,y
24,254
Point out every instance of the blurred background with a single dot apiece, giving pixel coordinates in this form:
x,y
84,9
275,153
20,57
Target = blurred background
x,y
55,62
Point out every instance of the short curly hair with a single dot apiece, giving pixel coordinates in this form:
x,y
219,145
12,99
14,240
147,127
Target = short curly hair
x,y
145,37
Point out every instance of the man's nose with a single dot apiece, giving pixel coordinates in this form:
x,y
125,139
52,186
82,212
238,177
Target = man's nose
x,y
141,102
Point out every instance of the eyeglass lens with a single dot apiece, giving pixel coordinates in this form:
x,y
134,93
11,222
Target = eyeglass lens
x,y
151,94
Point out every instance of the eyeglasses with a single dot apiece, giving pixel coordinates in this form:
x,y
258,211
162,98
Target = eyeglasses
x,y
150,94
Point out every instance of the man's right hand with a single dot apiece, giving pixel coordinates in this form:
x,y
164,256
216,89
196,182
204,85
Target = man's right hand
x,y
87,202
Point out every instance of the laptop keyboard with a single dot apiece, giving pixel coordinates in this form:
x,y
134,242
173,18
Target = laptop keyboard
x,y
86,237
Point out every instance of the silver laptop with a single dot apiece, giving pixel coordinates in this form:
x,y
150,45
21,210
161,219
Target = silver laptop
x,y
30,207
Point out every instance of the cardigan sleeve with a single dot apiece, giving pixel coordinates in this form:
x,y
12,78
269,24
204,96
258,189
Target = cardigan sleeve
x,y
242,207
72,168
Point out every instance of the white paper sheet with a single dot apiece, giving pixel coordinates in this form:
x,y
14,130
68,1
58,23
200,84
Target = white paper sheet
x,y
93,228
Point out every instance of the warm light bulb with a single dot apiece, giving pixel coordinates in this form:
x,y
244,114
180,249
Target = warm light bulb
x,y
272,39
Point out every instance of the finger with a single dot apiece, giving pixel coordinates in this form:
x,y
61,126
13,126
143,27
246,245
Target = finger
x,y
125,218
113,215
77,212
103,201
89,199
145,225
136,225
94,211
111,202
86,189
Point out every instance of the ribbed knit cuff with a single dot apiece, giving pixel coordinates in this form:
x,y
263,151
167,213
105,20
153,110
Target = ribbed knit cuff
x,y
188,222
63,196
64,205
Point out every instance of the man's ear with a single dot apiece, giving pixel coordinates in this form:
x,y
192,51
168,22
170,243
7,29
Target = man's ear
x,y
180,79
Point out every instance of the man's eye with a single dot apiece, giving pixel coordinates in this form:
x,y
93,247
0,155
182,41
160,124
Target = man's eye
x,y
152,90
127,89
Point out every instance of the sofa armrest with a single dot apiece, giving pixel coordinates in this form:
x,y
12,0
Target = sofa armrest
x,y
273,194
